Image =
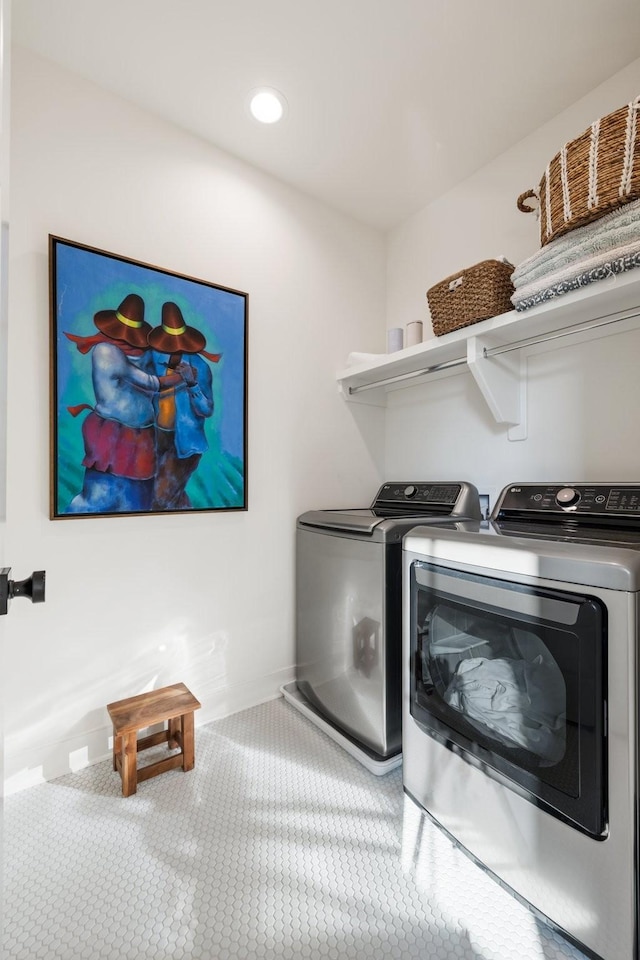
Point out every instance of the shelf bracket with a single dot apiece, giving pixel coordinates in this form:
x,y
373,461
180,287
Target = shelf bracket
x,y
502,381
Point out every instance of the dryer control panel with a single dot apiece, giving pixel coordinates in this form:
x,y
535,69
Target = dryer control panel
x,y
588,500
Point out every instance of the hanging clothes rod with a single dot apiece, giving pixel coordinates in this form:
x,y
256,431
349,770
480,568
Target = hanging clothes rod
x,y
447,365
566,332
497,351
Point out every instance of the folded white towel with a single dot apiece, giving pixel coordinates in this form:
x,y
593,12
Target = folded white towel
x,y
356,358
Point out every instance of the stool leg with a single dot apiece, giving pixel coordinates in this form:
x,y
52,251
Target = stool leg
x,y
129,756
188,746
174,731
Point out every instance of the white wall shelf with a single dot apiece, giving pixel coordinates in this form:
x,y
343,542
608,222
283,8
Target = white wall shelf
x,y
495,350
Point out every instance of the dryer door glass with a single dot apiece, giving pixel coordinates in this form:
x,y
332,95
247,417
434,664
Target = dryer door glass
x,y
511,677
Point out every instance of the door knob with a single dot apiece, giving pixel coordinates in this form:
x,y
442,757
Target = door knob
x,y
33,588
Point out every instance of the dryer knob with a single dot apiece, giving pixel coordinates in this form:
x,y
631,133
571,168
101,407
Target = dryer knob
x,y
410,491
567,497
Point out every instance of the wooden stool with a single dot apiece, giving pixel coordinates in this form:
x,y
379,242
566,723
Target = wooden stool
x,y
176,705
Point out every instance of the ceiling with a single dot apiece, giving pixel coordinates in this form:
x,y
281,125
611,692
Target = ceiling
x,y
390,102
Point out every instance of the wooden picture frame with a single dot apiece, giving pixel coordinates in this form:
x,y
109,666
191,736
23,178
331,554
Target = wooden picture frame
x,y
148,388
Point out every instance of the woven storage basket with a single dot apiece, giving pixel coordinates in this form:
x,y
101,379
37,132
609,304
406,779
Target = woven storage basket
x,y
483,290
590,176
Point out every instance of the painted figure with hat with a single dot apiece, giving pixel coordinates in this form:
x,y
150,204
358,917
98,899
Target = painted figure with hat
x,y
119,433
181,410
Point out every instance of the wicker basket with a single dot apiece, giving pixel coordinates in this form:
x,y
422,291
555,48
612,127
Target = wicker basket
x,y
590,176
477,293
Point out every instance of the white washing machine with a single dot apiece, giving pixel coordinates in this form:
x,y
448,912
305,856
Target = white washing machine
x,y
520,699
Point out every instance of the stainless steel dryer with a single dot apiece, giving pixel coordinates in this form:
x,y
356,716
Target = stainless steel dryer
x,y
520,717
349,612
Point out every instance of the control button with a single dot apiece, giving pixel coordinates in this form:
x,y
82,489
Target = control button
x,y
537,497
567,497
600,499
410,491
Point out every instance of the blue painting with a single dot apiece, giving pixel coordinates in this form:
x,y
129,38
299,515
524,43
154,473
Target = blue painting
x,y
149,388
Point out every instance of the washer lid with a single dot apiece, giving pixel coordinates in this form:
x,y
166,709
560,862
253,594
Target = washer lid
x,y
398,506
363,522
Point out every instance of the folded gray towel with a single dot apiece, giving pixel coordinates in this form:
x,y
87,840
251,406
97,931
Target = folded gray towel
x,y
607,234
580,279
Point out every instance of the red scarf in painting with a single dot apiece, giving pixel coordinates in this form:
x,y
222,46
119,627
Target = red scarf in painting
x,y
84,344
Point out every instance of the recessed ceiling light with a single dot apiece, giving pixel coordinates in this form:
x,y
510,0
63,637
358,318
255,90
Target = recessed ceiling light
x,y
267,105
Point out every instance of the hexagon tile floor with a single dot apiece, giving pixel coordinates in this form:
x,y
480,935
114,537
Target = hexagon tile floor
x,y
278,844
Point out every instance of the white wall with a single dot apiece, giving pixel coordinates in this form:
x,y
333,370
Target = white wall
x,y
203,598
581,398
208,598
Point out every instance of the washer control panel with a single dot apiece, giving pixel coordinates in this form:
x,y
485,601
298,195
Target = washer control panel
x,y
593,499
418,493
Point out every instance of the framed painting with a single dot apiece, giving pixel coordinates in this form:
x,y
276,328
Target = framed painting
x,y
148,388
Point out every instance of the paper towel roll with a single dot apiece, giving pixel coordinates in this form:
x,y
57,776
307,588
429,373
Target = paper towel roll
x,y
414,333
395,338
